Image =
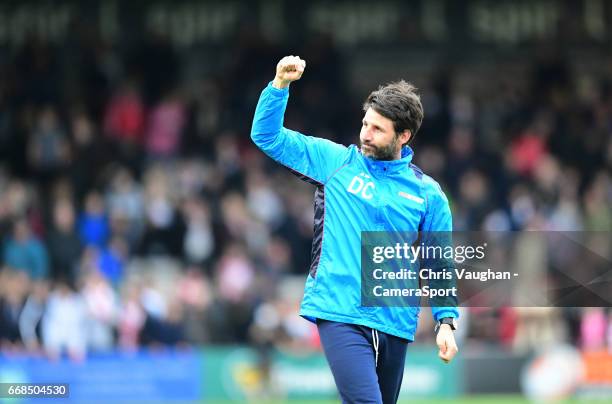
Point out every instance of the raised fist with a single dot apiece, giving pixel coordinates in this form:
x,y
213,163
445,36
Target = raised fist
x,y
288,69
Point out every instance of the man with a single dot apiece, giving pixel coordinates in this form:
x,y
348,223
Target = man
x,y
371,188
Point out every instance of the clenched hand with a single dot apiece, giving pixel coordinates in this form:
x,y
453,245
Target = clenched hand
x,y
288,69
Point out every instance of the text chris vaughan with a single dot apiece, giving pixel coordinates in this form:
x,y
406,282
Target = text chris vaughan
x,y
441,274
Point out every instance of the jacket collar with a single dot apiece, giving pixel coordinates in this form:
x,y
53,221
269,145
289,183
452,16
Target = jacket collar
x,y
391,166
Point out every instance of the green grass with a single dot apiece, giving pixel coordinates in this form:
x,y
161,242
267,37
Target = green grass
x,y
480,399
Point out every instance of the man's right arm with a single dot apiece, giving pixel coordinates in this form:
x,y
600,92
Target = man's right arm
x,y
311,157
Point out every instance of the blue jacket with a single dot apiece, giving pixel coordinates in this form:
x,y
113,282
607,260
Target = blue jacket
x,y
354,193
29,256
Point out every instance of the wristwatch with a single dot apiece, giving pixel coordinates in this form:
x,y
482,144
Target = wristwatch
x,y
446,320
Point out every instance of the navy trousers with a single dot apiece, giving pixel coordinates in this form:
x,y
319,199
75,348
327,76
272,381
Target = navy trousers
x,y
368,366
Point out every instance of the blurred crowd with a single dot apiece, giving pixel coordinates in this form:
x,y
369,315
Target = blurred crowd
x,y
134,210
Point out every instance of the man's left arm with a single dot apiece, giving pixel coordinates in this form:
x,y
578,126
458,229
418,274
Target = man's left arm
x,y
437,229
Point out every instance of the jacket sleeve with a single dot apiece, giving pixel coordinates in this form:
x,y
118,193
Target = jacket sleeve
x,y
437,229
314,159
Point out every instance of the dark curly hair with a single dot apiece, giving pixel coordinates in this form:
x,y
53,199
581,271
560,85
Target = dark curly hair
x,y
399,102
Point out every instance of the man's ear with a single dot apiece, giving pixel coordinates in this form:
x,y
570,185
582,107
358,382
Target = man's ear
x,y
405,136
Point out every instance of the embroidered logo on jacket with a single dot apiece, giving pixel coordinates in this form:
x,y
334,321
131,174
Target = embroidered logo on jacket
x,y
360,186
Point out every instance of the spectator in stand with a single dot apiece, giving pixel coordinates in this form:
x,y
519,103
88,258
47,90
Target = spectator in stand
x,y
165,127
609,332
93,223
131,317
64,323
25,252
593,329
102,310
17,199
125,117
235,276
124,199
164,231
112,260
48,149
124,122
64,244
14,288
167,330
89,153
597,203
199,243
195,292
31,316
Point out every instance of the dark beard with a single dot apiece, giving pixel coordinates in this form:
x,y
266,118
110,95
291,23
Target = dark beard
x,y
383,153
